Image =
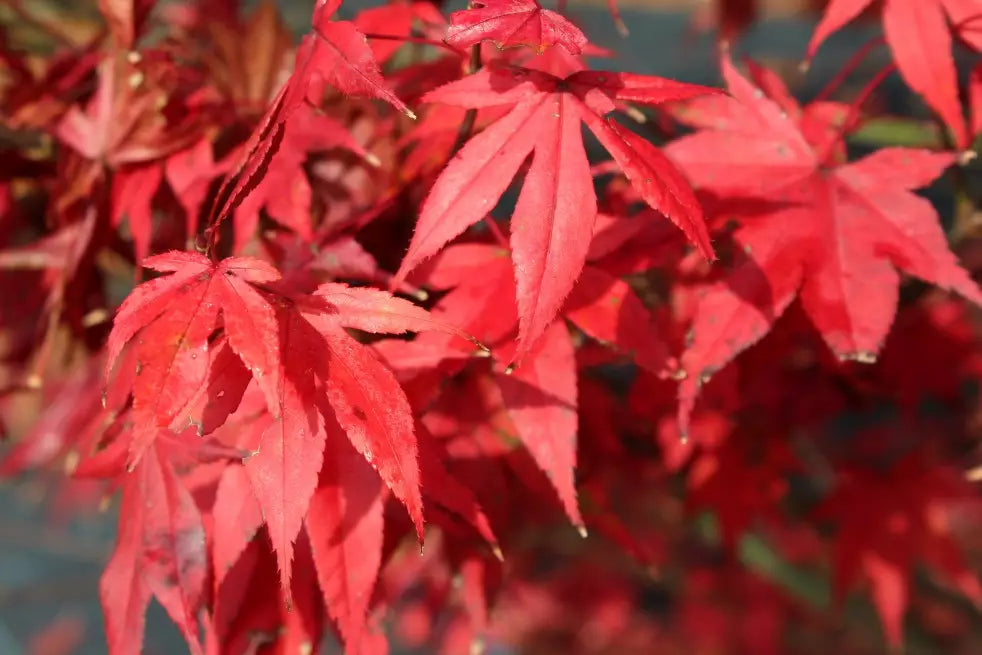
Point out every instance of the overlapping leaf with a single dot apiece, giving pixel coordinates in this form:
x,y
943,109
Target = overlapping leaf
x,y
554,218
510,23
834,236
296,350
920,39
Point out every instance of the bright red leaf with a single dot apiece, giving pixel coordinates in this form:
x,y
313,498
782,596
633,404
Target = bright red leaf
x,y
919,36
835,236
553,221
344,523
511,23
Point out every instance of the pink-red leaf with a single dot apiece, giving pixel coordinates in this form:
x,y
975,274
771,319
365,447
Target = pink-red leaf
x,y
345,525
284,471
540,397
510,23
373,411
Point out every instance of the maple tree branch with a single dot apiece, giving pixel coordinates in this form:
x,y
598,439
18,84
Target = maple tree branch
x,y
854,112
849,68
496,232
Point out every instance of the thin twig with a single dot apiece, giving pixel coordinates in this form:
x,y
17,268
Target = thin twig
x,y
499,237
467,126
415,39
849,68
855,110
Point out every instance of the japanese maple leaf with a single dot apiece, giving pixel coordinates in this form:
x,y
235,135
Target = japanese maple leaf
x,y
250,609
296,348
284,191
541,401
176,315
160,551
236,519
336,53
189,173
833,235
344,523
121,124
510,23
920,38
739,488
290,442
446,492
553,220
397,19
133,189
249,54
481,280
540,397
887,524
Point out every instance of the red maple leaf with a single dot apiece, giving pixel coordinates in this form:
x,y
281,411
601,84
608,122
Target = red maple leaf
x,y
512,23
396,21
832,234
160,551
919,36
539,399
336,53
296,350
344,523
888,523
556,210
284,191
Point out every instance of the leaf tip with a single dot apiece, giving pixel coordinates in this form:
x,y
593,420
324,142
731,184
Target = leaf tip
x,y
861,356
496,551
583,531
966,157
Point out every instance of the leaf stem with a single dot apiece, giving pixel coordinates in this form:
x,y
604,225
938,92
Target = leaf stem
x,y
415,39
854,112
496,232
467,126
849,68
